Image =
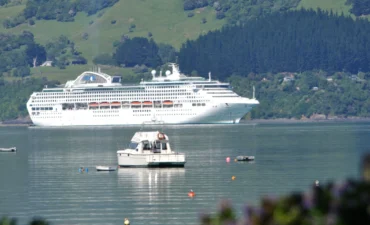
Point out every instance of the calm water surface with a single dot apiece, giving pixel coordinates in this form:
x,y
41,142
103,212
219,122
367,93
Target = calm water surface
x,y
42,178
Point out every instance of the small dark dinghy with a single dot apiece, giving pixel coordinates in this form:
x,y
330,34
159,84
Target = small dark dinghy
x,y
244,158
13,149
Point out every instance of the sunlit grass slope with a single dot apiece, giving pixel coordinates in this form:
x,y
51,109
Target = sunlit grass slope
x,y
338,6
166,20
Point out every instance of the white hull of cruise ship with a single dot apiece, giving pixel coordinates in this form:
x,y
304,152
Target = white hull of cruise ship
x,y
219,114
174,99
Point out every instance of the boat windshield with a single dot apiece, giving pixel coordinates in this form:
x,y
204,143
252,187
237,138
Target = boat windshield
x,y
132,145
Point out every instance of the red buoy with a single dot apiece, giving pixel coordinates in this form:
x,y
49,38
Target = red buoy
x,y
191,194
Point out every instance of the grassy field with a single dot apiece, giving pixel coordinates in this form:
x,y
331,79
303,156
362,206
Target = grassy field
x,y
166,20
72,72
53,73
336,5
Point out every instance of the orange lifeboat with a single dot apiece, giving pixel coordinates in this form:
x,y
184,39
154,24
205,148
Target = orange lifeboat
x,y
93,104
135,103
191,194
147,103
116,103
104,104
167,102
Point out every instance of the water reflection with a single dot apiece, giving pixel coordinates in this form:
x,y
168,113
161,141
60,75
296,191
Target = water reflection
x,y
156,182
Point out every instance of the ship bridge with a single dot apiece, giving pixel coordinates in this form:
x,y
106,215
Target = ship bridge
x,y
175,75
94,79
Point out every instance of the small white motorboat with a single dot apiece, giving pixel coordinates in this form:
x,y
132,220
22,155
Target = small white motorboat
x,y
150,149
106,168
12,149
244,158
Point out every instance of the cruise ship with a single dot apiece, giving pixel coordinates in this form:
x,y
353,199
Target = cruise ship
x,y
95,98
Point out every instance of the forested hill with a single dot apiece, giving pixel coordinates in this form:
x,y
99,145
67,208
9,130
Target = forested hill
x,y
293,41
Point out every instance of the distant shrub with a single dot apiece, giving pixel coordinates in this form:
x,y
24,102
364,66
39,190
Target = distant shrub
x,y
31,22
132,26
124,37
104,59
4,2
116,43
150,34
220,15
113,22
85,36
100,14
204,20
189,5
225,8
21,71
190,14
140,69
91,22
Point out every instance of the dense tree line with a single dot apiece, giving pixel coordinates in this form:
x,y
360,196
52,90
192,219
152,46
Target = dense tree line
x,y
62,52
19,52
292,41
3,2
306,94
15,94
359,7
60,10
138,51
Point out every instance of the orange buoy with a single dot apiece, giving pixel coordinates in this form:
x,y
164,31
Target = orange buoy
x,y
233,178
191,194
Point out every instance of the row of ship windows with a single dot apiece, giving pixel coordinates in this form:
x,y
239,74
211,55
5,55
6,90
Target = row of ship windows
x,y
116,115
94,100
160,115
114,111
106,96
41,108
176,91
197,101
50,117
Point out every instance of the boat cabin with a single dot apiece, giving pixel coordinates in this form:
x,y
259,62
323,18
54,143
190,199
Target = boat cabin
x,y
150,142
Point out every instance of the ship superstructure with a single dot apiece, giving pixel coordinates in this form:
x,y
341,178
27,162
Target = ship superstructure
x,y
96,98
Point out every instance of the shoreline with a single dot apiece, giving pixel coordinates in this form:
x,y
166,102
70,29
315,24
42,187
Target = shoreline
x,y
290,121
27,123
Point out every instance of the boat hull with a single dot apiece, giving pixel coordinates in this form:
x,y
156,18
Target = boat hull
x,y
8,149
151,160
214,114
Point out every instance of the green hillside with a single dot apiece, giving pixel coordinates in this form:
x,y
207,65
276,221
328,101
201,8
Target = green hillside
x,y
338,6
166,20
